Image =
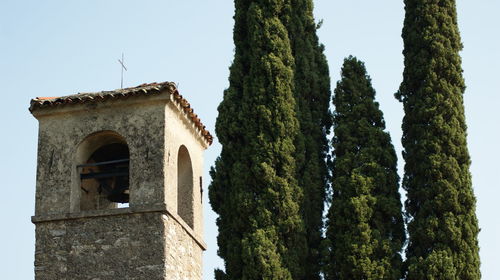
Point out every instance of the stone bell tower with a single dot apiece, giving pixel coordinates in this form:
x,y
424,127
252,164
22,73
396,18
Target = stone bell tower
x,y
119,185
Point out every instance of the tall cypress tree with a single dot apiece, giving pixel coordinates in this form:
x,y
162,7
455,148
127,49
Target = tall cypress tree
x,y
254,190
440,207
365,228
312,93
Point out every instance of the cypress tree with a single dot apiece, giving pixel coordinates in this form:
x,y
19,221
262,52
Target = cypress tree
x,y
365,228
440,202
253,189
312,93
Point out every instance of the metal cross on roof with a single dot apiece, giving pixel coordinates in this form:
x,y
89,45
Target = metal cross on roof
x,y
123,67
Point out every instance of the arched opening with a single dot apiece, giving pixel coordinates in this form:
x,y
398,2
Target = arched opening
x,y
104,172
185,186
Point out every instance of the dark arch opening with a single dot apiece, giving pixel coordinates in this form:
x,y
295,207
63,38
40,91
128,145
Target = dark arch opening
x,y
105,174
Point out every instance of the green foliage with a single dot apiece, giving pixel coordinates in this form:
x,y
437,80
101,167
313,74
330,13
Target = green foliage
x,y
365,229
440,207
312,93
254,190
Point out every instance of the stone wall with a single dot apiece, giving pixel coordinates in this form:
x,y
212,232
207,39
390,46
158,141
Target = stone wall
x,y
119,245
183,255
178,132
109,247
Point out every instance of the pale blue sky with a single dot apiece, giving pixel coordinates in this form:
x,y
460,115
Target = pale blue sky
x,y
54,48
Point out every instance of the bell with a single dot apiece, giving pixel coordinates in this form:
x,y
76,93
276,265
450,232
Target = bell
x,y
119,194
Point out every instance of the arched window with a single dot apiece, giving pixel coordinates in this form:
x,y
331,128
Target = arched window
x,y
185,186
103,171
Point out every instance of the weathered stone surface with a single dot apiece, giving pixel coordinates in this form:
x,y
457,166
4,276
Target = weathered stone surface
x,y
61,132
184,255
150,245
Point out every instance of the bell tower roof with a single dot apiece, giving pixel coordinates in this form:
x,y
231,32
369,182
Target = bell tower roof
x,y
141,90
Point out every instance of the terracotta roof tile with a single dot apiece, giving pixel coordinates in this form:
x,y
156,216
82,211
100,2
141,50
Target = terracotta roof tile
x,y
144,89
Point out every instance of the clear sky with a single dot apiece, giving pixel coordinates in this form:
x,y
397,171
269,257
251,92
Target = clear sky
x,y
54,48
